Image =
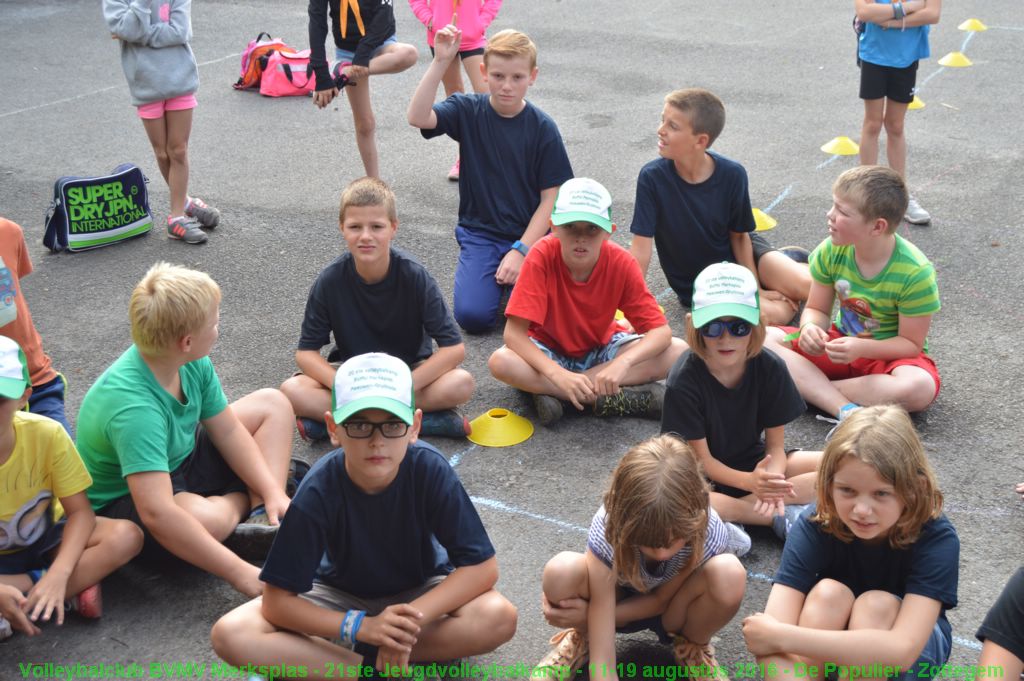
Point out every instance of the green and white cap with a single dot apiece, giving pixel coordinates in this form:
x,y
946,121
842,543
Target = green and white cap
x,y
14,376
725,289
372,381
583,200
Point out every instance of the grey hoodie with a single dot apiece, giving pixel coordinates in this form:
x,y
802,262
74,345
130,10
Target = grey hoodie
x,y
155,54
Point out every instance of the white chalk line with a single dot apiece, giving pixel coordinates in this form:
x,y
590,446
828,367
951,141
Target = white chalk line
x,y
508,508
97,92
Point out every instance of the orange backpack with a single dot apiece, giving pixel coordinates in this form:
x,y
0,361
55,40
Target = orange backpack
x,y
255,57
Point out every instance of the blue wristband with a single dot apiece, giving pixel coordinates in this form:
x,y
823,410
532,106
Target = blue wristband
x,y
360,614
350,625
521,247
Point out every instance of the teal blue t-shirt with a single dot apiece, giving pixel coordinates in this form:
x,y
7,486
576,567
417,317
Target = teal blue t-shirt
x,y
129,424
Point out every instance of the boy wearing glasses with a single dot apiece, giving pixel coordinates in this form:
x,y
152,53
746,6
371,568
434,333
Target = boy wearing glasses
x,y
381,550
562,341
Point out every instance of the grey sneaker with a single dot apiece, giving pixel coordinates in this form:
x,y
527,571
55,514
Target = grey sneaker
x,y
781,524
644,400
205,215
739,541
549,408
916,215
185,229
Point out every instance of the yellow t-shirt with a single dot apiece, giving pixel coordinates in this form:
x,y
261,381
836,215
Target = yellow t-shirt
x,y
43,467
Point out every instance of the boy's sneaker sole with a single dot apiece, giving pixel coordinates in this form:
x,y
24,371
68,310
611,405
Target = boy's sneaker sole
x,y
88,603
645,400
548,407
251,541
311,430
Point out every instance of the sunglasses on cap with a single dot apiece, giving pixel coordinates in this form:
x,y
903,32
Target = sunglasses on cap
x,y
738,328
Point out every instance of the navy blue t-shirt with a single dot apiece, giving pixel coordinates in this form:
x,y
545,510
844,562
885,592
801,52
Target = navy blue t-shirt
x,y
732,420
930,567
690,223
397,315
505,162
375,545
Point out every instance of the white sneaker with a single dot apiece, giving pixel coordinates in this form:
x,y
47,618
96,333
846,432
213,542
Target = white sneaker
x,y
5,629
739,540
916,215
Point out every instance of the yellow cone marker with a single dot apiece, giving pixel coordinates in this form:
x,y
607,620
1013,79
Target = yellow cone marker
x,y
956,60
763,221
916,104
972,25
841,146
499,428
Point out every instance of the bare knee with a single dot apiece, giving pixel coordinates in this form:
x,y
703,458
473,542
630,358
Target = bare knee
x,y
563,575
162,155
229,634
829,601
461,386
501,363
124,539
178,152
365,124
872,125
917,391
894,126
727,580
269,402
407,55
497,620
874,610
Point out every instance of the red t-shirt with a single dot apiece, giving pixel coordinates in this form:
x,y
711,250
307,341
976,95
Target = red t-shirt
x,y
15,319
573,317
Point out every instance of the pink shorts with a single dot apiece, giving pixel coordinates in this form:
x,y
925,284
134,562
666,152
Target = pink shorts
x,y
863,366
157,109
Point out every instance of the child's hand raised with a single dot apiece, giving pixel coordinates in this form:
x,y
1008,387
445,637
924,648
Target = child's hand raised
x,y
447,42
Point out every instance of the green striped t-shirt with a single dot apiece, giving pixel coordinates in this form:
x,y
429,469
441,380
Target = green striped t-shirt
x,y
870,308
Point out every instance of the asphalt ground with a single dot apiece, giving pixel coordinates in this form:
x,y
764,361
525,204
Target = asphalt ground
x,y
275,168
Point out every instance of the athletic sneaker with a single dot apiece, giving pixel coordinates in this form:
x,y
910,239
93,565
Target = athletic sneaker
x,y
445,423
844,411
5,629
781,524
738,543
206,216
185,229
698,660
567,656
297,470
311,430
916,215
548,407
88,603
251,539
453,174
796,253
645,400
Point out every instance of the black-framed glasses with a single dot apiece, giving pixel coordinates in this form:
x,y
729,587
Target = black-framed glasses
x,y
363,430
737,328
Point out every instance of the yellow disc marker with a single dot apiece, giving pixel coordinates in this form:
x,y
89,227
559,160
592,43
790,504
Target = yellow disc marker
x,y
973,25
841,146
499,428
763,221
956,60
916,104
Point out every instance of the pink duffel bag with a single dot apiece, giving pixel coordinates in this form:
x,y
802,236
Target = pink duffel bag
x,y
287,74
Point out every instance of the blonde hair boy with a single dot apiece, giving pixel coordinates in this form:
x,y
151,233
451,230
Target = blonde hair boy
x,y
170,302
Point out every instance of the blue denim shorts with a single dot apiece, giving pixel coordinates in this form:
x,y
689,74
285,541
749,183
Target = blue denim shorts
x,y
343,56
596,356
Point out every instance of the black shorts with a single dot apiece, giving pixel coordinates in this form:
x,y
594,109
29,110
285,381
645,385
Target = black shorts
x,y
203,472
877,82
761,246
464,53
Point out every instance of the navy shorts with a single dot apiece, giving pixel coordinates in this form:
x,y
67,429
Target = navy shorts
x,y
35,557
892,83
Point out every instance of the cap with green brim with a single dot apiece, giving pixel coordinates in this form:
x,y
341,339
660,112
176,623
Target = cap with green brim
x,y
725,290
583,200
372,381
14,377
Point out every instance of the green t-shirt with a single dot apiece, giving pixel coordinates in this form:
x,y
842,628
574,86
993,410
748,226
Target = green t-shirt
x,y
870,308
129,424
